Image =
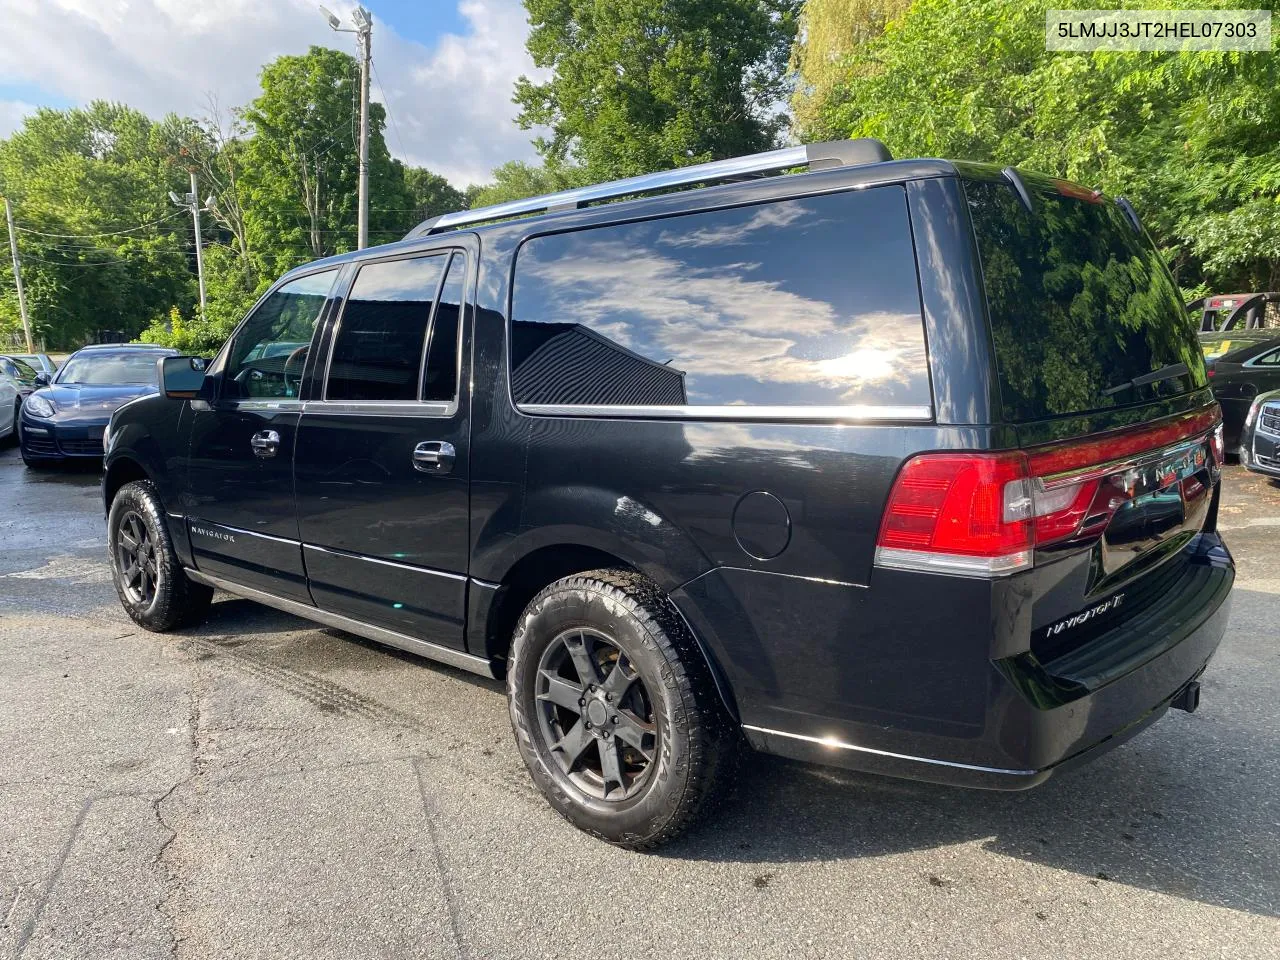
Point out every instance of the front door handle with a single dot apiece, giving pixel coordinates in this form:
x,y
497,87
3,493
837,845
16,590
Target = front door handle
x,y
265,443
434,456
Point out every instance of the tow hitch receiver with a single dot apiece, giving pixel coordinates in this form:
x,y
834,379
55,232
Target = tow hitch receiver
x,y
1188,698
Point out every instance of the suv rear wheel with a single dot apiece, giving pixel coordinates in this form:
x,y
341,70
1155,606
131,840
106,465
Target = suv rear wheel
x,y
614,709
147,573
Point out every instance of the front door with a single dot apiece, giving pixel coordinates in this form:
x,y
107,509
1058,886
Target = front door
x,y
381,466
239,503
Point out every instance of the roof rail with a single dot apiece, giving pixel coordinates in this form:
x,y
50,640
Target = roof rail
x,y
816,156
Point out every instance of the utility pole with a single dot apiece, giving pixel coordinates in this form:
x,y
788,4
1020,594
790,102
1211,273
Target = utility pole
x,y
192,202
364,36
17,276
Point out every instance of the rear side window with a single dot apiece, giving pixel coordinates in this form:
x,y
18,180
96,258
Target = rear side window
x,y
808,302
1084,314
377,354
440,374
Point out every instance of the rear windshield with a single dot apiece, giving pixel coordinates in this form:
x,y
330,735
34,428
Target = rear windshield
x,y
1081,306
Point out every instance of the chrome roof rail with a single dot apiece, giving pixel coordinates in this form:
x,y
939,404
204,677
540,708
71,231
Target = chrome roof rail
x,y
816,156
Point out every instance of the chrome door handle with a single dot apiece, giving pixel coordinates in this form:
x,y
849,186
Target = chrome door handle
x,y
434,456
265,443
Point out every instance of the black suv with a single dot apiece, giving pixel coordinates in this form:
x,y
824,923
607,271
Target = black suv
x,y
907,466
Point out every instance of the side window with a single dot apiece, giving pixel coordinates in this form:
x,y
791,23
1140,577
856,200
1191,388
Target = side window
x,y
440,376
1271,359
377,353
271,349
807,302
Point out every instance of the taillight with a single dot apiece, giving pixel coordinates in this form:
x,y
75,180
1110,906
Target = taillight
x,y
984,514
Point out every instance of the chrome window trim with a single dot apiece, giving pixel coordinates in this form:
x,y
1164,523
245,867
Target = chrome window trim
x,y
841,745
412,568
383,408
852,413
277,405
454,658
1257,361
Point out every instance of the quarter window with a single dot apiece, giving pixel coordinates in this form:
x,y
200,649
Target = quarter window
x,y
806,302
377,354
271,348
440,374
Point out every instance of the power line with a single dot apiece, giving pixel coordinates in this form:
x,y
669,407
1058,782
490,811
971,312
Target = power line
x,y
86,236
386,105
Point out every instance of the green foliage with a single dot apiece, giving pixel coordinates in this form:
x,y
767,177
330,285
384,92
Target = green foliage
x,y
515,181
638,86
82,181
431,194
832,39
1189,137
230,294
301,169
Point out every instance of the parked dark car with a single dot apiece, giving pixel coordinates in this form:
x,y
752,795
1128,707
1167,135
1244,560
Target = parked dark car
x,y
1242,365
25,377
681,468
66,419
1260,437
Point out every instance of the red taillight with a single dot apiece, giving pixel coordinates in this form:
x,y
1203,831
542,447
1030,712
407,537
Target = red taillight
x,y
948,511
983,514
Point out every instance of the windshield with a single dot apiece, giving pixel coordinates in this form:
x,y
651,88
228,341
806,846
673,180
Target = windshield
x,y
108,369
1084,315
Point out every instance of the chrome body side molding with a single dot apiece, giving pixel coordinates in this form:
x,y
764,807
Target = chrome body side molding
x,y
454,658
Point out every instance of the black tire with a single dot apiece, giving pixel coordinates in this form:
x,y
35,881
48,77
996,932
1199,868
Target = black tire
x,y
627,629
148,576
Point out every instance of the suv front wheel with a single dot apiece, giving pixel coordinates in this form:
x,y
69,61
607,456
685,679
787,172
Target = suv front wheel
x,y
147,573
614,709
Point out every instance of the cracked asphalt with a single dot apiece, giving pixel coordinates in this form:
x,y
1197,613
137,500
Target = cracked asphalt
x,y
261,787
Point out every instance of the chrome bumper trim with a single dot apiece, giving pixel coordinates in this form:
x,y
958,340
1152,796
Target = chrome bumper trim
x,y
839,745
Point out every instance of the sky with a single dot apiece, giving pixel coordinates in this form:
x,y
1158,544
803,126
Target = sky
x,y
444,68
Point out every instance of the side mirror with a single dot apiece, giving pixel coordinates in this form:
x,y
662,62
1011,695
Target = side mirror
x,y
181,377
42,380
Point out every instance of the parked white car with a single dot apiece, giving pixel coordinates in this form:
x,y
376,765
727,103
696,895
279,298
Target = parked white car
x,y
10,402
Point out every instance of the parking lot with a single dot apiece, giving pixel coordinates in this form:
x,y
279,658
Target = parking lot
x,y
260,787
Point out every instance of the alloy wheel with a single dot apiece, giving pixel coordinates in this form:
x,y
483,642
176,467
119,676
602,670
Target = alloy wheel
x,y
136,564
595,715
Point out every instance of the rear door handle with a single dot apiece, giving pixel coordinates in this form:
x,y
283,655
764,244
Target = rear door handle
x,y
265,443
434,456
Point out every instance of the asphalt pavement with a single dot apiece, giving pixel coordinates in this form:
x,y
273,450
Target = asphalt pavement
x,y
261,787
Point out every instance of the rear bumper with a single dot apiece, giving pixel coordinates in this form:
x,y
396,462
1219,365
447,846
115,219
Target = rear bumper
x,y
979,723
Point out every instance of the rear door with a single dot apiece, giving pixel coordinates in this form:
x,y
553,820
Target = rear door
x,y
239,501
382,456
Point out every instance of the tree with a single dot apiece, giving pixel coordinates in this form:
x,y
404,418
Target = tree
x,y
103,248
1190,138
431,195
638,86
830,50
515,180
300,163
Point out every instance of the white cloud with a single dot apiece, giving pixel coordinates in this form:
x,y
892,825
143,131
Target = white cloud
x,y
451,102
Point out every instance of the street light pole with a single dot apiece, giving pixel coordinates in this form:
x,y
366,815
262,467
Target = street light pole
x,y
364,35
192,202
17,276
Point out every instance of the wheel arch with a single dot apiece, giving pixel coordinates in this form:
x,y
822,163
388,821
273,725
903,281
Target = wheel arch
x,y
495,608
121,470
